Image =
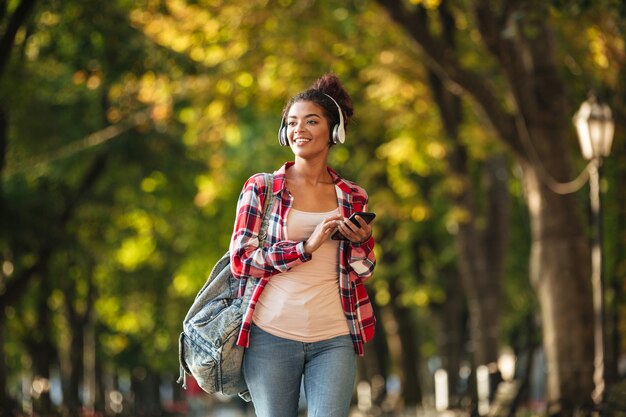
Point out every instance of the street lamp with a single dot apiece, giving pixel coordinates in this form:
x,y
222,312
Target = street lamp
x,y
595,127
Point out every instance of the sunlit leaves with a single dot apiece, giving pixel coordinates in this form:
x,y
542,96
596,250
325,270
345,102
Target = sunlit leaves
x,y
405,151
590,43
152,182
215,76
429,4
598,47
192,29
183,286
420,212
135,251
134,318
208,190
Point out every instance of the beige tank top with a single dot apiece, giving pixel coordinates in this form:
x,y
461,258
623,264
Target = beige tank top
x,y
303,303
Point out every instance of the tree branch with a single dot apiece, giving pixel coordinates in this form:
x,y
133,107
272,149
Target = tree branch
x,y
3,9
16,285
442,61
489,27
4,140
16,21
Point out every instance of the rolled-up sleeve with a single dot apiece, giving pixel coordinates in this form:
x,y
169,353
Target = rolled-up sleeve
x,y
362,258
250,259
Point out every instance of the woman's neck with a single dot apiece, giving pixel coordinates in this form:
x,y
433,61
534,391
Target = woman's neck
x,y
309,171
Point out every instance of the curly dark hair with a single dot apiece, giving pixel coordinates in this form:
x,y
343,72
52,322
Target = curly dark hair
x,y
326,85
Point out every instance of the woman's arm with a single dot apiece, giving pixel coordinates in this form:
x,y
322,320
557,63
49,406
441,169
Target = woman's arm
x,y
248,258
362,259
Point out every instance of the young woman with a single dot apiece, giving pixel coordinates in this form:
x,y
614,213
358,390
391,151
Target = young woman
x,y
309,313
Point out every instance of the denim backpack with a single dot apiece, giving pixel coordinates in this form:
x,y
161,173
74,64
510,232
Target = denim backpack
x,y
207,346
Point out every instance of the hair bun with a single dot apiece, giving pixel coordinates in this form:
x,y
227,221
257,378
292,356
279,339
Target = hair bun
x,y
330,84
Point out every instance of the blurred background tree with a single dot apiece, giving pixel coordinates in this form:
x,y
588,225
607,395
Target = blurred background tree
x,y
127,129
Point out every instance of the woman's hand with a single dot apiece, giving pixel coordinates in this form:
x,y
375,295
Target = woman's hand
x,y
321,233
354,233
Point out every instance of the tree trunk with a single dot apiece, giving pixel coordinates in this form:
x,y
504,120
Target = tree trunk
x,y
480,253
615,245
4,395
481,260
13,24
411,387
145,391
374,367
99,399
536,134
4,128
560,273
72,400
617,187
451,319
42,350
77,321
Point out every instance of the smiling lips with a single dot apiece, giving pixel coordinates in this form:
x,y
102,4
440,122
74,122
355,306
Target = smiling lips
x,y
301,141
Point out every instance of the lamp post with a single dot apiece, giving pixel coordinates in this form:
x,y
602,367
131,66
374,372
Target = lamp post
x,y
595,127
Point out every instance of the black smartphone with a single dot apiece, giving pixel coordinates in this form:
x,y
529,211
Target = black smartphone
x,y
367,216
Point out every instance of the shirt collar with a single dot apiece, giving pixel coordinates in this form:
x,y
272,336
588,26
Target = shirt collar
x,y
280,183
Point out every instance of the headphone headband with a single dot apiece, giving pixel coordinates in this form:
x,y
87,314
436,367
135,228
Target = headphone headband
x,y
338,132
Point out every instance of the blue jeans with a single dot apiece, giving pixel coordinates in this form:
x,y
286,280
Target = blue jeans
x,y
274,369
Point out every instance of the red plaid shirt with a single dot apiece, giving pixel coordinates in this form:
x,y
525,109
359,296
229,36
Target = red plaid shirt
x,y
248,260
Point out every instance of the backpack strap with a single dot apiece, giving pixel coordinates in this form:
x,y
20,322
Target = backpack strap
x,y
269,203
270,199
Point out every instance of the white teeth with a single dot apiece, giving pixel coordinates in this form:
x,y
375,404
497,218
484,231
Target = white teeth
x,y
302,140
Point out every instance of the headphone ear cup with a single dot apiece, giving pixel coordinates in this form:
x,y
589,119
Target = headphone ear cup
x,y
282,135
335,136
339,134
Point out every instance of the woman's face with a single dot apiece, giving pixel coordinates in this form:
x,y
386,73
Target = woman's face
x,y
307,129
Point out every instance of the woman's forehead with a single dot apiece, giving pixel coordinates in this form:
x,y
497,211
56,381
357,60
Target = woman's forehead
x,y
305,107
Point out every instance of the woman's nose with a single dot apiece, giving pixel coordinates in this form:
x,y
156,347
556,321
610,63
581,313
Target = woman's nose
x,y
298,127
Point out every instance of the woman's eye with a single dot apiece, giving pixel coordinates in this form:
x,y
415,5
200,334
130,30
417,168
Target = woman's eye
x,y
293,123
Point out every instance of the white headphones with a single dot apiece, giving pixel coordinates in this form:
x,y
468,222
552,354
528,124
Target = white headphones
x,y
339,130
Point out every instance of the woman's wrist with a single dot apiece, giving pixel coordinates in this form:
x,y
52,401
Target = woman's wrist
x,y
307,248
362,242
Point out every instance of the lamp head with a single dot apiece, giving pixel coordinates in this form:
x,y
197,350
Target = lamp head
x,y
595,127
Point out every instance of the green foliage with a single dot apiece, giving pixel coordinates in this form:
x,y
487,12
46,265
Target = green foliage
x,y
126,228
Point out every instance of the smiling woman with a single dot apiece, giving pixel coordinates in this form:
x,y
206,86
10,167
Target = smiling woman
x,y
309,315
307,130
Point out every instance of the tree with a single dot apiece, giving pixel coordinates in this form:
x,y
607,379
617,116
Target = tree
x,y
191,93
534,125
10,23
481,250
